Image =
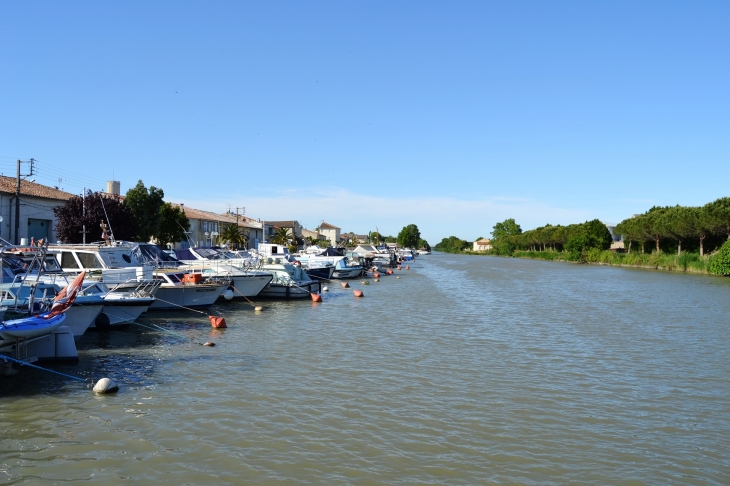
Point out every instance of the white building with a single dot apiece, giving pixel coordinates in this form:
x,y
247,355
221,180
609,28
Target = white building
x,y
331,232
36,210
482,245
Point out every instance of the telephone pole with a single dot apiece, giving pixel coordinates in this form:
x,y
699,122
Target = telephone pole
x,y
17,199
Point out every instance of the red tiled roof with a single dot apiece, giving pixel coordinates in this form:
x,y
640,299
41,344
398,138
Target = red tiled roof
x,y
193,213
27,188
327,226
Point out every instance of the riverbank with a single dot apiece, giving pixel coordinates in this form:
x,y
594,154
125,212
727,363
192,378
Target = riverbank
x,y
687,262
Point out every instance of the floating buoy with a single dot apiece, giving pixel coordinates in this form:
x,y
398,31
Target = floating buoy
x,y
399,267
325,289
217,322
397,277
345,285
258,308
389,272
316,297
208,343
228,294
377,280
105,385
408,267
365,282
358,293
376,275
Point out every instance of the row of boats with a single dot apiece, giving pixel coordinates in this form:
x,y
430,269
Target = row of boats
x,y
119,281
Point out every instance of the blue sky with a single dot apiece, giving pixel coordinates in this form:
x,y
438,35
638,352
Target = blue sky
x,y
449,115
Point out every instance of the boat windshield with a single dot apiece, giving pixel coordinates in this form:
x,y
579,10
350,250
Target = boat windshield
x,y
153,255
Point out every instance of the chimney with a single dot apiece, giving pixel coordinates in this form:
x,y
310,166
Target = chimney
x,y
112,187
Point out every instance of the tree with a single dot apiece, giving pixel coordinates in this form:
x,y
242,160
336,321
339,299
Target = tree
x,y
70,220
508,227
281,236
452,244
409,236
720,261
423,245
375,237
232,235
718,215
172,226
598,234
146,206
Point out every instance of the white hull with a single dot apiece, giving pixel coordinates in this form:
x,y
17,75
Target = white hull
x,y
249,285
169,298
279,291
118,315
58,345
80,317
347,273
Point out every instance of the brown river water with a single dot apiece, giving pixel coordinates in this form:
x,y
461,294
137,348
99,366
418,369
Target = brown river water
x,y
466,370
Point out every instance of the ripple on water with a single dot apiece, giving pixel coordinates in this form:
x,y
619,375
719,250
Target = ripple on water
x,y
466,370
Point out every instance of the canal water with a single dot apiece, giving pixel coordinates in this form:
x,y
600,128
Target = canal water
x,y
466,370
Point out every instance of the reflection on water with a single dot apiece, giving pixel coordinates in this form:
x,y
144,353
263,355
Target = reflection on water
x,y
466,370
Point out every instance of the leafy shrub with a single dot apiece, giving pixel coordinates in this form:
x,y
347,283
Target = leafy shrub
x,y
720,261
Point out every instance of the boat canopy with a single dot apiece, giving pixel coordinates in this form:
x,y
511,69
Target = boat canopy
x,y
331,252
151,254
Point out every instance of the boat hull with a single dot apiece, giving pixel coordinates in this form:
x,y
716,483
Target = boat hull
x,y
121,312
80,317
341,273
321,273
197,296
247,286
30,327
280,291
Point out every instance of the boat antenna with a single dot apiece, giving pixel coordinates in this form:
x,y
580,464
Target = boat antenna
x,y
111,233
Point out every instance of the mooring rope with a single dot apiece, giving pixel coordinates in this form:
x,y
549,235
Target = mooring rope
x,y
45,369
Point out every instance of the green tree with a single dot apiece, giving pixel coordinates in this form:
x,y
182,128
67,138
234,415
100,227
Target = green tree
x,y
423,245
281,236
146,206
232,235
409,236
598,234
172,226
508,227
718,215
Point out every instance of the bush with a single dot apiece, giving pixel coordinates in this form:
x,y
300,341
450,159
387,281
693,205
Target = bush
x,y
720,261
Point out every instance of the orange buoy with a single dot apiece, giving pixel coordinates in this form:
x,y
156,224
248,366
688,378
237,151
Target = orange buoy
x,y
389,272
399,267
217,322
376,275
358,293
316,297
407,267
345,285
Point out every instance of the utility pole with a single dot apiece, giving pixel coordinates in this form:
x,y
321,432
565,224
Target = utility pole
x,y
83,215
17,200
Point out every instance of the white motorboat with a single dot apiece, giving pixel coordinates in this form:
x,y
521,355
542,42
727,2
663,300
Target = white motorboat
x,y
289,282
120,307
246,282
181,289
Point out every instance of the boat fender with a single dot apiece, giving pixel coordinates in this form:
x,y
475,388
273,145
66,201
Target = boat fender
x,y
217,322
105,385
228,294
358,293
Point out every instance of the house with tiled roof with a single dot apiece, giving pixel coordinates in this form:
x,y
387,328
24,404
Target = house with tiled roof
x,y
482,245
331,232
35,206
205,227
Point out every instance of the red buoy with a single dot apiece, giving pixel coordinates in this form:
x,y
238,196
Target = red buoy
x,y
345,285
316,297
389,272
358,293
217,322
399,267
376,275
407,267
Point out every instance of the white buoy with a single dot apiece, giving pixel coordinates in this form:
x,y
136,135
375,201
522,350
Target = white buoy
x,y
105,385
228,294
258,308
325,289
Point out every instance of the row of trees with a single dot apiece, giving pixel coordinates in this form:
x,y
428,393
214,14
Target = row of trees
x,y
575,238
142,215
678,224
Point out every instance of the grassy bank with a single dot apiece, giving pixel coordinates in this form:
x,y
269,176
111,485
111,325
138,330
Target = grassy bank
x,y
687,262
